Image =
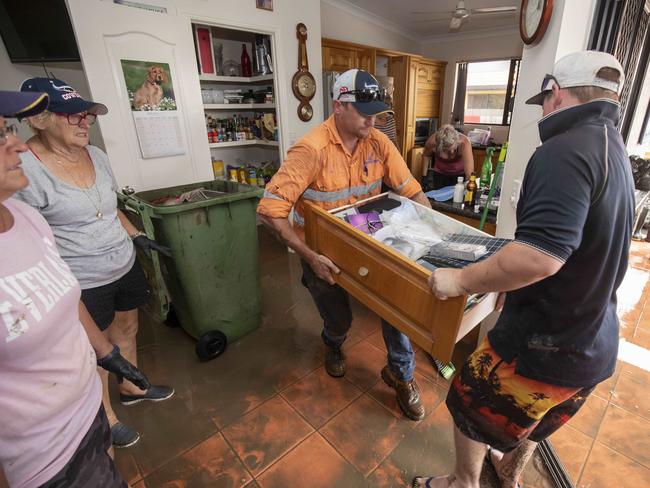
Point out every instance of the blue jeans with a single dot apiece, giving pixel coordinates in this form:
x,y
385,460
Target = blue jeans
x,y
333,304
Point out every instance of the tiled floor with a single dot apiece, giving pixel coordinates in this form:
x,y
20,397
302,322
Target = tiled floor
x,y
266,414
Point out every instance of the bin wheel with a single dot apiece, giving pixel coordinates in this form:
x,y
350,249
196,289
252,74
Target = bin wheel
x,y
210,345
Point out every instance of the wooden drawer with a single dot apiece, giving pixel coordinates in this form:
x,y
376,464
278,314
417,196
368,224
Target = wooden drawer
x,y
392,285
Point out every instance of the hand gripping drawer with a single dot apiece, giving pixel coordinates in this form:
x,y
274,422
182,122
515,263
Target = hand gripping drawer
x,y
392,285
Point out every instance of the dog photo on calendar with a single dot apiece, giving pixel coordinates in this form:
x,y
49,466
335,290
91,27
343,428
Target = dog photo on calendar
x,y
149,85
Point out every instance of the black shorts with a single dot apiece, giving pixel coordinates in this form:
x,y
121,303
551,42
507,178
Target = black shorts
x,y
90,464
129,292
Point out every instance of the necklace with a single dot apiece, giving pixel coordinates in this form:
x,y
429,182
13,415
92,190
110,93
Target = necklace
x,y
84,190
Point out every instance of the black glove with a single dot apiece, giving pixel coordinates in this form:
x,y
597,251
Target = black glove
x,y
115,363
146,245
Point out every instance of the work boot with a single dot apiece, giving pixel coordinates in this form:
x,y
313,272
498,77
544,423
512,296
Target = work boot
x,y
334,362
408,394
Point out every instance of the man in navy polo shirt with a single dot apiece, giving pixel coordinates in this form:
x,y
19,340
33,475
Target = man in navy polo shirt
x,y
557,336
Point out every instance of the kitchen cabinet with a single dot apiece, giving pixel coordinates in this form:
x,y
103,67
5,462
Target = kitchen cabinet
x,y
393,285
427,103
341,56
430,75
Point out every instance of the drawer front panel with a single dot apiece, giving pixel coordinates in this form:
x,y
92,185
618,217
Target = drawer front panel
x,y
391,285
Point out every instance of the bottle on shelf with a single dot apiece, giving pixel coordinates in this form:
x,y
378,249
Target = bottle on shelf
x,y
218,169
486,170
472,187
459,190
246,69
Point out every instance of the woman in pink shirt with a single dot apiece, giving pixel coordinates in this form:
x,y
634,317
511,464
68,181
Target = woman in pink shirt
x,y
54,430
452,156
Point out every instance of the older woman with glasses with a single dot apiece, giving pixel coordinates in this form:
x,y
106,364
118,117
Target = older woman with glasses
x,y
73,187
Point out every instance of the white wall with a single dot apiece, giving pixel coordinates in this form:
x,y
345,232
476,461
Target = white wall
x,y
341,20
568,31
471,47
14,74
107,32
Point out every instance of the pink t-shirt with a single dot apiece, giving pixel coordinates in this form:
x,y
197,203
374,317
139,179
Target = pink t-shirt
x,y
50,391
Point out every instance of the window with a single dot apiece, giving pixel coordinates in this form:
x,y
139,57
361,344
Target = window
x,y
489,91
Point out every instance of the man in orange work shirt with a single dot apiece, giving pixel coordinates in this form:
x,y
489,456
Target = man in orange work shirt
x,y
342,161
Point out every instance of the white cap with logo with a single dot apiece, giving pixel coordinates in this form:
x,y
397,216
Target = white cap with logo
x,y
580,69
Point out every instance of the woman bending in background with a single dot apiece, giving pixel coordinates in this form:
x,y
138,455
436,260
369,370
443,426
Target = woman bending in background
x,y
452,156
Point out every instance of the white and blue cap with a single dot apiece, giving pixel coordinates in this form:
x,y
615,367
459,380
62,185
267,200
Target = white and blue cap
x,y
362,90
63,98
580,69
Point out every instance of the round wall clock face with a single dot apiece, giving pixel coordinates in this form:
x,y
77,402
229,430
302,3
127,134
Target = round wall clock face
x,y
306,85
534,18
305,112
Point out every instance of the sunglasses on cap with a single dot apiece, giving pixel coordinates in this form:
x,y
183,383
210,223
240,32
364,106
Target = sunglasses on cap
x,y
548,82
366,95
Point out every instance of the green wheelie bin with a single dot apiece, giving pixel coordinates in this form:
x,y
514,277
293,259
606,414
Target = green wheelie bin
x,y
212,278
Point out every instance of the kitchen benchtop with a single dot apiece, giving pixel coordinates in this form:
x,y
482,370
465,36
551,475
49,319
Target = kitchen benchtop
x,y
456,209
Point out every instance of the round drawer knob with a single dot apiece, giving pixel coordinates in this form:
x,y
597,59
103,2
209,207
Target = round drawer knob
x,y
363,271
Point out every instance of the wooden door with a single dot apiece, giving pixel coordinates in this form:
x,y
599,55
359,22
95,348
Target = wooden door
x,y
398,68
409,137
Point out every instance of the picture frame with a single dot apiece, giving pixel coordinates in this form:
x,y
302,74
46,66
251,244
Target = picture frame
x,y
264,4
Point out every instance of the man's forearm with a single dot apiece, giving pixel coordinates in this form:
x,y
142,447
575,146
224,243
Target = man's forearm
x,y
422,199
284,230
513,267
98,341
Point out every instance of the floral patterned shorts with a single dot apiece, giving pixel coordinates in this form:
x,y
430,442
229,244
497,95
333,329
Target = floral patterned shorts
x,y
492,404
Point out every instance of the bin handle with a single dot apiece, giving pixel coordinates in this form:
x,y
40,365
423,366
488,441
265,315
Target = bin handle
x,y
146,214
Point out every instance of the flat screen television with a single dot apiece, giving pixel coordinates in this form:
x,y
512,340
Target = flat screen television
x,y
37,30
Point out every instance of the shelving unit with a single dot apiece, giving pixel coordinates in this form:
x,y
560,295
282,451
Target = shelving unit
x,y
238,107
254,142
233,80
229,42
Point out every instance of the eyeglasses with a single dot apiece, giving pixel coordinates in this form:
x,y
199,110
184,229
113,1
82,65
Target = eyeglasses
x,y
366,95
5,131
75,119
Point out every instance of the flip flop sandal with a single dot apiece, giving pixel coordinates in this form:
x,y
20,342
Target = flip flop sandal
x,y
427,481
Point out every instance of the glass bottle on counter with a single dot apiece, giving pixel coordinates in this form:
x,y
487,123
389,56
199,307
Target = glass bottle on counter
x,y
459,190
472,187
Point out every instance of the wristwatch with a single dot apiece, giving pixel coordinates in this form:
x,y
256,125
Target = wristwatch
x,y
138,234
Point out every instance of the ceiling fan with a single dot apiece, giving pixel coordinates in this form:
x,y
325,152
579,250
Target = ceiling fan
x,y
462,12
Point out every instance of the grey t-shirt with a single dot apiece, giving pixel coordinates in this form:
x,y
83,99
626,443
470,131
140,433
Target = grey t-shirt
x,y
98,250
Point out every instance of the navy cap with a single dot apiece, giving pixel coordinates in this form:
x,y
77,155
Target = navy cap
x,y
63,98
355,83
17,104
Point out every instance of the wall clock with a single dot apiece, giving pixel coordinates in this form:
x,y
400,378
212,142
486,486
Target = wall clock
x,y
303,83
534,18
